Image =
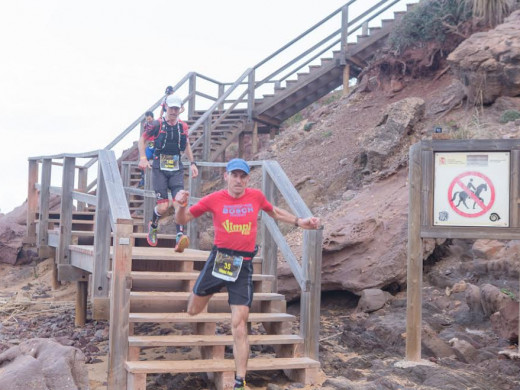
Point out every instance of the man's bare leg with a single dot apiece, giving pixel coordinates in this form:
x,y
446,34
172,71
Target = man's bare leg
x,y
239,316
197,303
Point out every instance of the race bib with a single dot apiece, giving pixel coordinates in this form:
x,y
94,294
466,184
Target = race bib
x,y
169,162
227,267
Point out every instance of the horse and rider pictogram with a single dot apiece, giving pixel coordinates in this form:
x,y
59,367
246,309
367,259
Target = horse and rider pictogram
x,y
471,194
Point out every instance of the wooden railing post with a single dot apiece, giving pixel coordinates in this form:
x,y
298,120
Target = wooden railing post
x,y
149,203
207,139
250,94
82,186
344,34
43,218
67,187
102,238
220,93
311,299
121,284
194,188
269,247
415,261
192,89
32,202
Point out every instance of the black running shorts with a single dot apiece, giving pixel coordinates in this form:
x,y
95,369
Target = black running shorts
x,y
167,180
240,292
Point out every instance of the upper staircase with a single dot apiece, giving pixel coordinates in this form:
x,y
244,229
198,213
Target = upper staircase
x,y
97,235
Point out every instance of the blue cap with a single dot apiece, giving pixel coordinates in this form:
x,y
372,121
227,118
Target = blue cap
x,y
237,163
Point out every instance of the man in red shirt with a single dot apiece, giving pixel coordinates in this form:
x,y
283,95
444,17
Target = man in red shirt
x,y
235,210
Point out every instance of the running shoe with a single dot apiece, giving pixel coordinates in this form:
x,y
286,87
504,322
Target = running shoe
x,y
152,235
239,385
181,242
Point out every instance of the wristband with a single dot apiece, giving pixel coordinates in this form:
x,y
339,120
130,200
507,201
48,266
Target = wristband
x,y
193,163
296,222
143,157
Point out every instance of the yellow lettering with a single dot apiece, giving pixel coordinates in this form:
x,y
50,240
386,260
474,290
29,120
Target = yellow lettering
x,y
244,228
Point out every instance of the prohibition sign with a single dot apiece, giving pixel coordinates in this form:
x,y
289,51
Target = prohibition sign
x,y
471,195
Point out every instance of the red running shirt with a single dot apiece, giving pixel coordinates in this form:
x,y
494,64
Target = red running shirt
x,y
235,220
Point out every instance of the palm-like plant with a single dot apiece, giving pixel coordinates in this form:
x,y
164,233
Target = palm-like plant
x,y
492,12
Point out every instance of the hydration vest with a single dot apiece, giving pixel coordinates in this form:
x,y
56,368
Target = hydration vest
x,y
171,139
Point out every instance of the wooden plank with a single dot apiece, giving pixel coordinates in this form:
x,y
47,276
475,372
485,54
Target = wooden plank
x,y
206,340
415,261
207,317
63,254
427,188
287,190
84,198
284,247
460,145
86,263
82,186
120,307
346,79
311,296
81,303
470,232
114,187
216,365
43,216
157,276
155,296
514,219
149,253
32,202
269,247
66,155
101,249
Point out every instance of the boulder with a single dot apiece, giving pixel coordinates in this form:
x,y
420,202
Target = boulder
x,y
488,63
43,364
505,321
487,249
447,99
372,299
396,124
492,299
474,299
11,240
364,245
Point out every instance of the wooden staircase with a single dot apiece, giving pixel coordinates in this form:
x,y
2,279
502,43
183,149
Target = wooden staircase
x,y
161,298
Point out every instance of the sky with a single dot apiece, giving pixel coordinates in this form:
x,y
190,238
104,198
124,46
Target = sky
x,y
73,74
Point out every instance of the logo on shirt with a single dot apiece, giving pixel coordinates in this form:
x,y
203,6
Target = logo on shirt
x,y
238,210
230,227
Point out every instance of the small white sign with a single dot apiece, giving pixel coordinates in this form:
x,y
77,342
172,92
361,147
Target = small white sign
x,y
471,189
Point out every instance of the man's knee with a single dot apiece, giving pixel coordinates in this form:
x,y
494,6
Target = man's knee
x,y
162,207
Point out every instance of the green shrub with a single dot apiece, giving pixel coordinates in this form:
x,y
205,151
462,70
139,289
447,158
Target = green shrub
x,y
509,116
308,126
429,20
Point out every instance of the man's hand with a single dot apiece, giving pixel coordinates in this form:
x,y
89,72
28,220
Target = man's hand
x,y
194,170
182,198
309,223
144,164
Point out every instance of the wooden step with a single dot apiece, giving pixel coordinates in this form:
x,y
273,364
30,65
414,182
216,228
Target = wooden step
x,y
217,365
150,275
208,340
207,317
168,296
150,253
